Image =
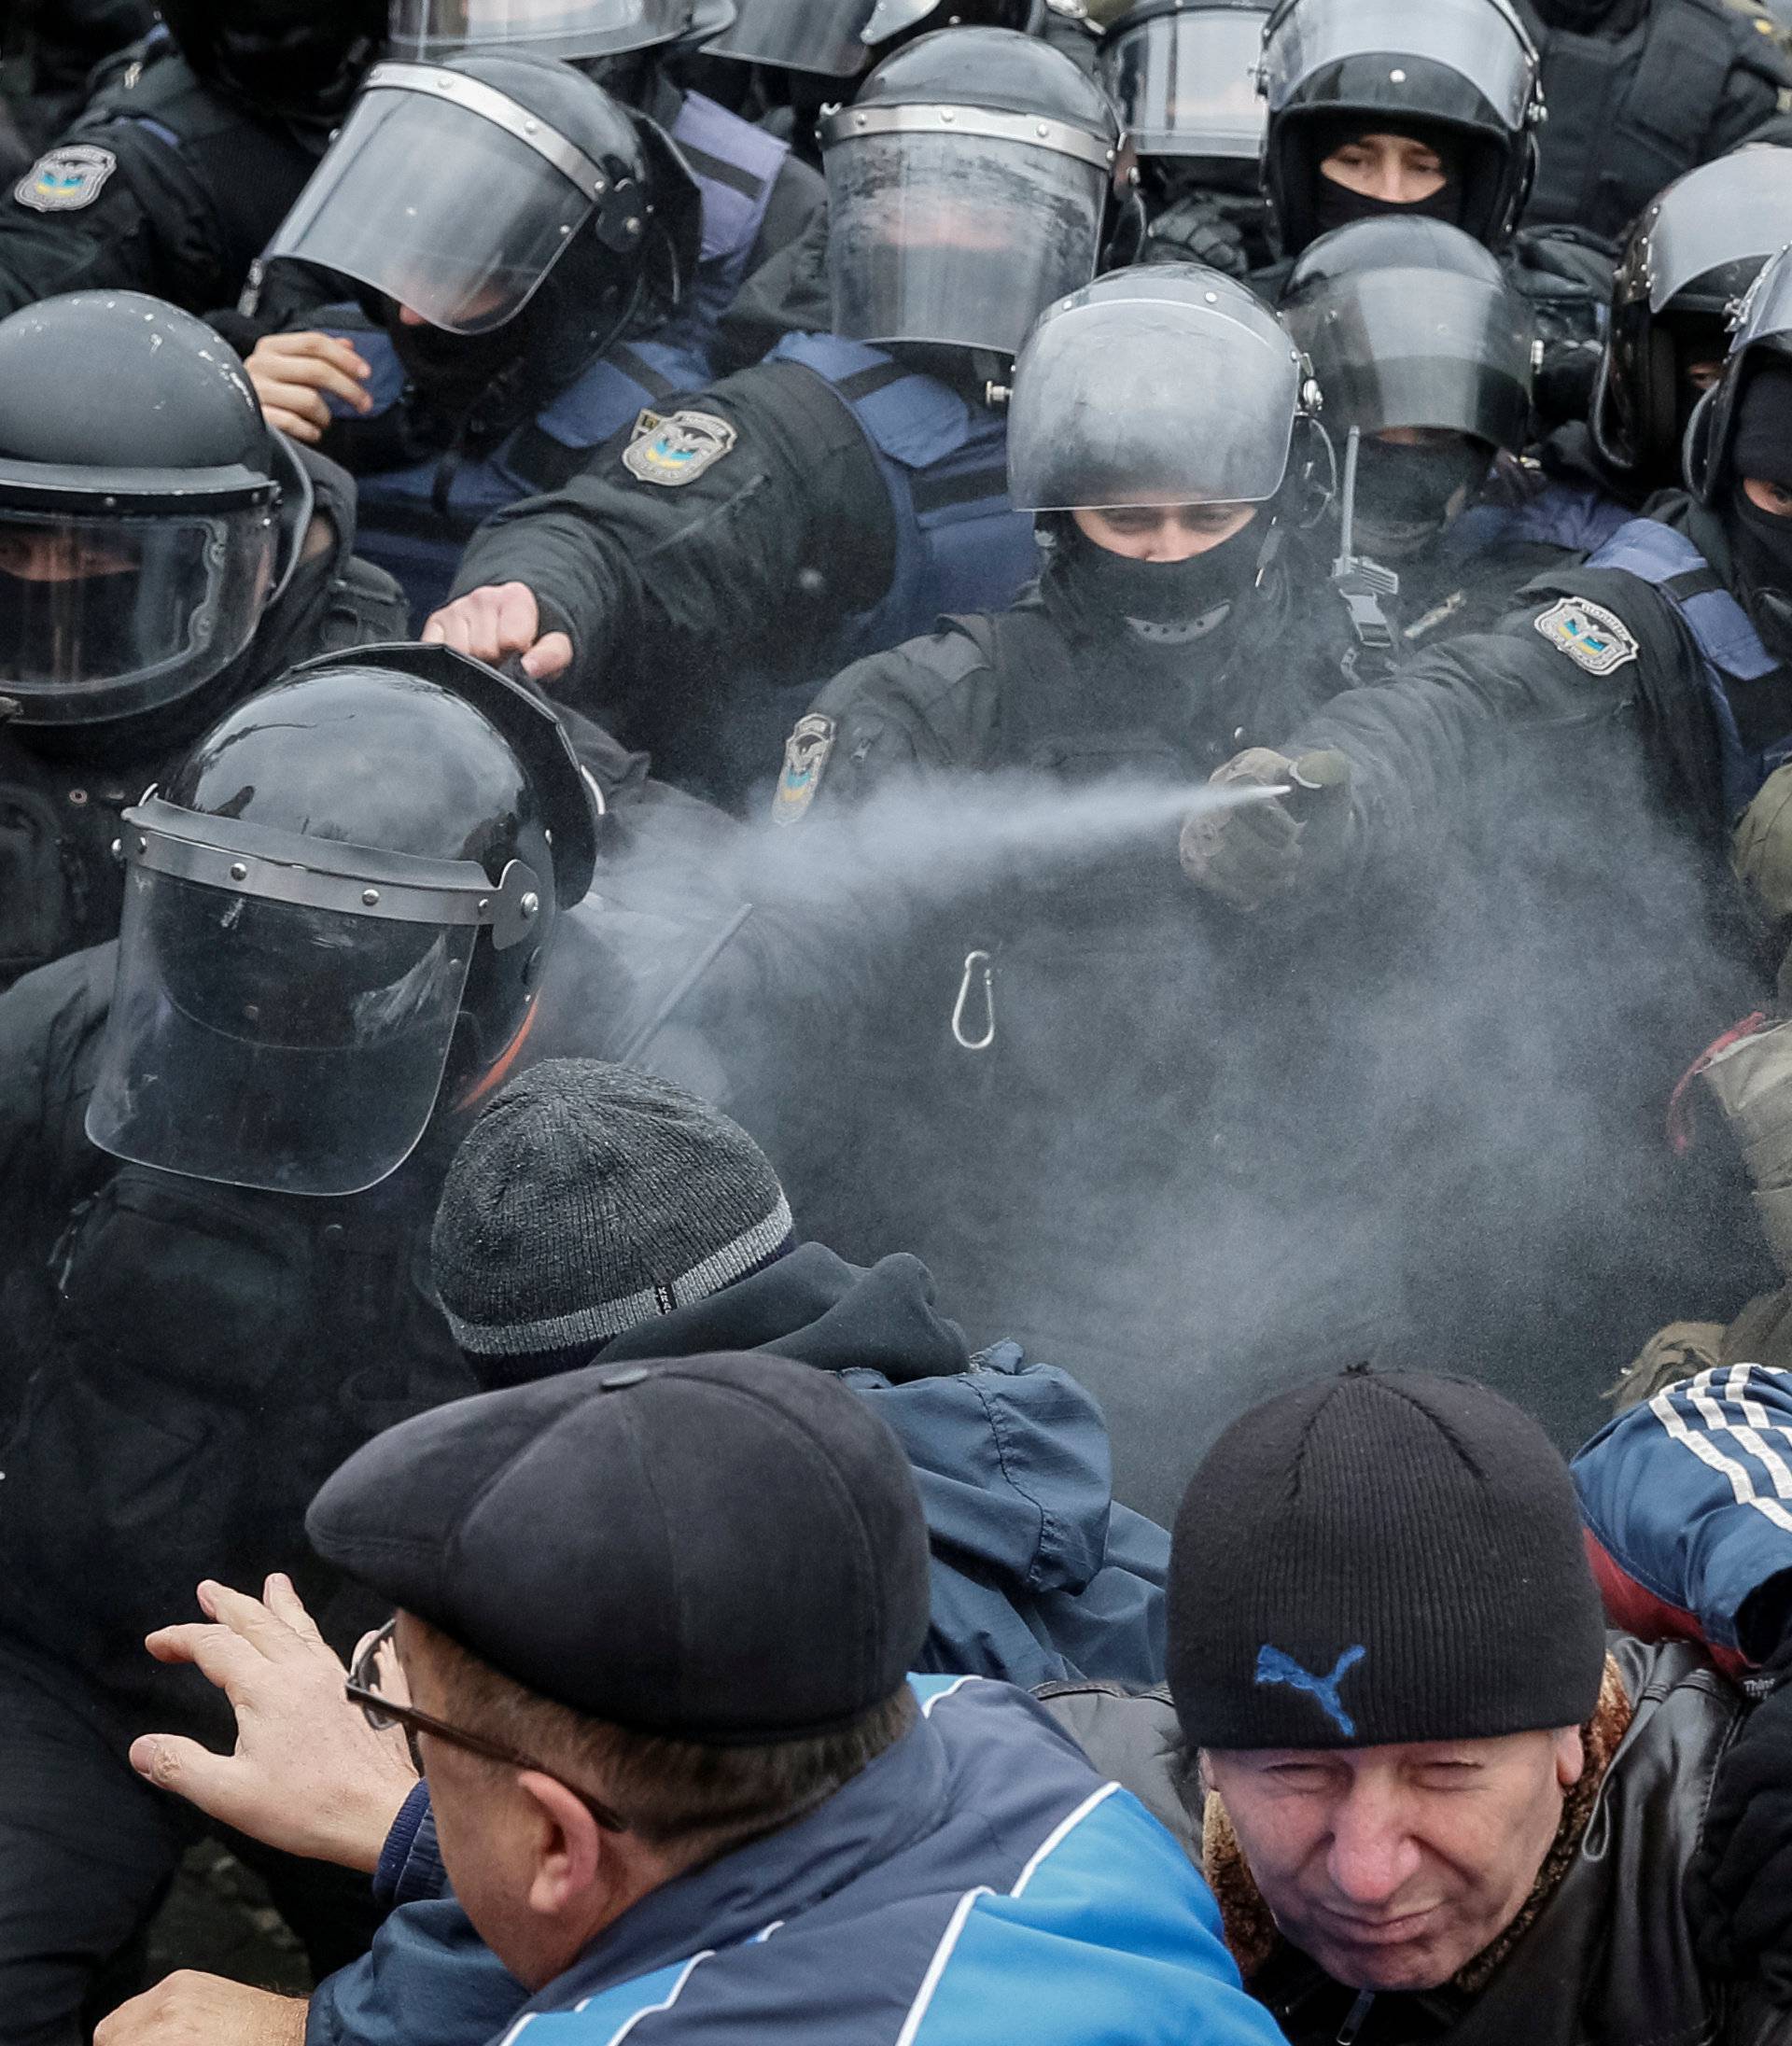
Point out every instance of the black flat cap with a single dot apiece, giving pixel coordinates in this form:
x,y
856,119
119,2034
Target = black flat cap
x,y
728,1550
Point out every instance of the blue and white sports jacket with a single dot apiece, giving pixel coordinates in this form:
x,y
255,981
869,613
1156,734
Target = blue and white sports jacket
x,y
979,1882
1688,1504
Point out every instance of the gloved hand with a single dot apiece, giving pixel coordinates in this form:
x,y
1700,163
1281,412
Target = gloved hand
x,y
1192,231
1739,1886
1251,855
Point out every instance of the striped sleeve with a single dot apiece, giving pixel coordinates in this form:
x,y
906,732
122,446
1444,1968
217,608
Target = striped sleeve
x,y
1688,1504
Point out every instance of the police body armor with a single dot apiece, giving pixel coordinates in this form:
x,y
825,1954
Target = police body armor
x,y
252,170
1642,105
415,521
218,1353
961,546
1753,733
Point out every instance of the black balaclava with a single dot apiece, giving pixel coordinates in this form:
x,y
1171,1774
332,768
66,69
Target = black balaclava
x,y
1336,206
1403,494
1577,17
1761,541
1164,607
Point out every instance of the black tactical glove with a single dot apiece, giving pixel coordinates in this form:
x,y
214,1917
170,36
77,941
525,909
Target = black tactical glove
x,y
1251,855
1193,231
1739,1886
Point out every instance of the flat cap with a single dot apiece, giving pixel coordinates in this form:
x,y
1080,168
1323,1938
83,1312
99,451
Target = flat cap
x,y
728,1550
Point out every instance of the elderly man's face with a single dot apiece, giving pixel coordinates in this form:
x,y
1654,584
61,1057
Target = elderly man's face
x,y
1392,1866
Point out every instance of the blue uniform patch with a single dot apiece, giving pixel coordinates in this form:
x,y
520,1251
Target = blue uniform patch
x,y
67,180
676,448
1590,636
806,754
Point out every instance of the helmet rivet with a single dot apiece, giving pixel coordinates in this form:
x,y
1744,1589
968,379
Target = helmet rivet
x,y
1043,128
946,114
530,903
117,848
1396,78
531,127
78,797
238,871
632,226
860,119
484,904
1212,298
143,845
370,896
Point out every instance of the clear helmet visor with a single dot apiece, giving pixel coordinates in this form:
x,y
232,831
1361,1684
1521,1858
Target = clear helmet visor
x,y
437,207
1475,39
424,31
957,238
104,616
1131,403
1734,210
1186,83
812,35
270,1044
1421,348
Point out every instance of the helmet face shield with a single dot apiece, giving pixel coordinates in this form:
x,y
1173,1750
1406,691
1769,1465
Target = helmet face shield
x,y
1314,47
106,615
1136,401
424,31
283,1026
443,195
957,233
812,35
1734,210
1416,347
1186,82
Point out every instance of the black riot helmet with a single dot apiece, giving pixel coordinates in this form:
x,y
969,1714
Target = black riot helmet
x,y
1183,75
1762,338
967,186
1463,72
581,31
1413,324
147,514
507,201
1424,353
1165,383
300,60
840,40
338,911
1686,269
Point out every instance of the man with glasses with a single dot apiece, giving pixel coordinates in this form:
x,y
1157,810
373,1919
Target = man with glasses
x,y
653,1625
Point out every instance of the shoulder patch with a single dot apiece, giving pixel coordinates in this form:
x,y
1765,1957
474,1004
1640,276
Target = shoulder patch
x,y
677,447
1590,636
67,180
806,754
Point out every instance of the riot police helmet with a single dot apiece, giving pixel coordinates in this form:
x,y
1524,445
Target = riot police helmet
x,y
968,186
147,514
1761,340
502,193
1686,268
1460,73
1424,353
338,911
1413,325
822,39
1165,383
426,30
300,60
1183,75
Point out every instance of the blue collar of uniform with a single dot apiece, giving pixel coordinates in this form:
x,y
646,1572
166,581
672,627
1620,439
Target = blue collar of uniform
x,y
899,1797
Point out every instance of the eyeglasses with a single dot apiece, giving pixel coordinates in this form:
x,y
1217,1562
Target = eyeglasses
x,y
383,1713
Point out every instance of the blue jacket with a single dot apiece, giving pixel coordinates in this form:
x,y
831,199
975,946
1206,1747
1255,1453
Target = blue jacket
x,y
1038,1575
1687,1502
977,1882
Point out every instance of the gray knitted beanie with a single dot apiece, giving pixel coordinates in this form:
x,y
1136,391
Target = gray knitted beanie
x,y
588,1198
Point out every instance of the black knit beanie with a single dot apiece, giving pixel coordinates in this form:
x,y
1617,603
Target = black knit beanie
x,y
1380,1558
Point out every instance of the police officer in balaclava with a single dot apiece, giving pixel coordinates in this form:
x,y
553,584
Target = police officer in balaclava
x,y
163,552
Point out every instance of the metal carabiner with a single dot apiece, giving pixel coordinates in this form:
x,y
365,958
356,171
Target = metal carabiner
x,y
977,965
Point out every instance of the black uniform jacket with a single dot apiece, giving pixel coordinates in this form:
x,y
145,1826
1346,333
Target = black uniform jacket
x,y
161,186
